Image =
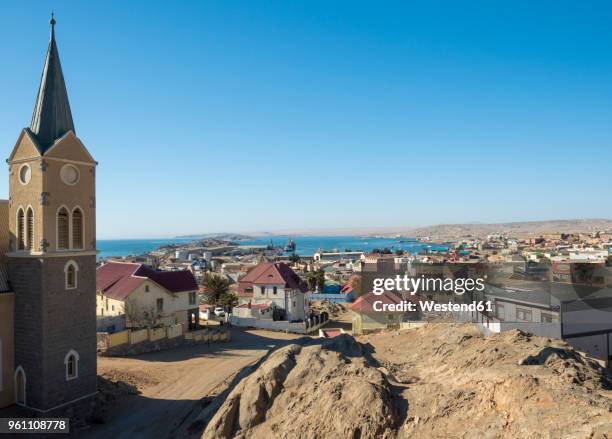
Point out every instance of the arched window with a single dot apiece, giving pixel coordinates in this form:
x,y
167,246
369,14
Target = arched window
x,y
71,361
62,229
1,368
20,386
30,226
20,230
77,228
71,270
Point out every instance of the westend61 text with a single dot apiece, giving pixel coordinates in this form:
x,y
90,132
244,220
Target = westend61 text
x,y
415,284
430,305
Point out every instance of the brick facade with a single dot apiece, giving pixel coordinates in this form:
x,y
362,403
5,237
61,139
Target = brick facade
x,y
49,322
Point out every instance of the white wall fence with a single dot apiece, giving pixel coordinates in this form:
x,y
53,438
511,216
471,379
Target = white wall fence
x,y
493,325
276,325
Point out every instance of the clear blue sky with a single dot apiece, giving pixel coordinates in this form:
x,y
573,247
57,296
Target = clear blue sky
x,y
250,115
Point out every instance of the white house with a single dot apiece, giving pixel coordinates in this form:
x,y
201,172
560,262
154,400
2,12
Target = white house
x,y
274,291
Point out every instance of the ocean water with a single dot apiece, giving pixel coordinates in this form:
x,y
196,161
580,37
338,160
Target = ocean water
x,y
305,245
128,247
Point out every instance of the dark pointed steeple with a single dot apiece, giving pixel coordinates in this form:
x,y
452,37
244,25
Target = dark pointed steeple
x,y
52,117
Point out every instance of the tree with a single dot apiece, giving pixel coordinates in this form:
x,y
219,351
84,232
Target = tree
x,y
316,280
216,286
140,316
399,252
228,300
295,258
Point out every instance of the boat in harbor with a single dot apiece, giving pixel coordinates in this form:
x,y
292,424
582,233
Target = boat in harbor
x,y
290,247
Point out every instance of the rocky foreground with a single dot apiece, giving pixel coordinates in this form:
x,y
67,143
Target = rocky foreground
x,y
442,380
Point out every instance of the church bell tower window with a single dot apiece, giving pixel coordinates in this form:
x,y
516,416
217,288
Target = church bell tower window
x,y
63,237
30,225
71,270
77,229
20,230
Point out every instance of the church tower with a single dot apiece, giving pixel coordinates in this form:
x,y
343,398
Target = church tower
x,y
52,253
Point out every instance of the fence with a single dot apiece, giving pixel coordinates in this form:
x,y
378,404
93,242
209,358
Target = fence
x,y
110,323
206,335
134,342
279,325
130,337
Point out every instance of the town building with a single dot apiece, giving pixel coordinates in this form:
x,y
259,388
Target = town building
x,y
48,260
576,313
366,317
275,291
136,296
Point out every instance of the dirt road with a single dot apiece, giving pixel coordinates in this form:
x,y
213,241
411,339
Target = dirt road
x,y
173,382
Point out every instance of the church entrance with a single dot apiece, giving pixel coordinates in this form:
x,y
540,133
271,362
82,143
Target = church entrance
x,y
20,386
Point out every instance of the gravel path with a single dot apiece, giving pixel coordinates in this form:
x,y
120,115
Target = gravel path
x,y
173,382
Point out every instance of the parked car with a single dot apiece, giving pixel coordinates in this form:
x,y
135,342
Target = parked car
x,y
219,312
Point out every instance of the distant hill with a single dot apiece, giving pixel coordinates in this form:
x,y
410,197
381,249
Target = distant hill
x,y
220,236
436,232
453,231
516,229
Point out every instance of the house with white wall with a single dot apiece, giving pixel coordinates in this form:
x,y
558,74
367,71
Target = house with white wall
x,y
274,286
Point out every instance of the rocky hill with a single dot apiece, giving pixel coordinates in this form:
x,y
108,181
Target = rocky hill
x,y
438,381
515,229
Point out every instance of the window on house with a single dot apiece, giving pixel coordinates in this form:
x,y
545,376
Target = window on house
x,y
113,307
192,298
274,290
160,305
546,318
71,270
62,229
146,288
107,304
77,228
263,290
72,365
30,225
20,230
523,314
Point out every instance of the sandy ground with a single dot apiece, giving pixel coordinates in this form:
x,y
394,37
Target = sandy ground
x,y
442,380
172,384
458,383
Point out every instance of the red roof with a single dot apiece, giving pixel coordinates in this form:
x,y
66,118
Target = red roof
x,y
270,273
348,287
365,303
118,280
